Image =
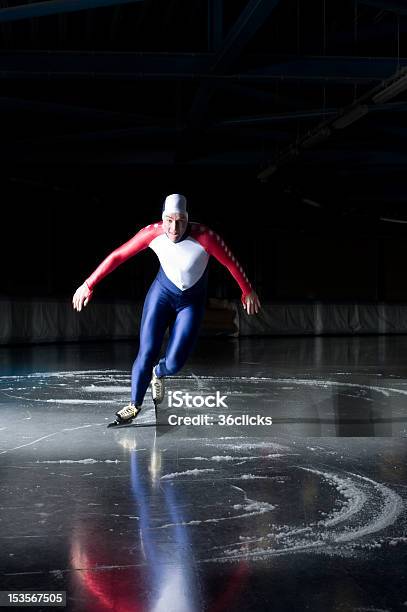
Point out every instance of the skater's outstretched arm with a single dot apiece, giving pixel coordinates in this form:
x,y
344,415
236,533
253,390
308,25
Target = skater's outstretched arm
x,y
214,245
130,248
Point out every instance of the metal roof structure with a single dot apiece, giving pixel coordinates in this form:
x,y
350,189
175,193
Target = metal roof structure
x,y
312,93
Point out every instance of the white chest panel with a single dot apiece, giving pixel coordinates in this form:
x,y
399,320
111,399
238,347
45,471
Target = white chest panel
x,y
183,262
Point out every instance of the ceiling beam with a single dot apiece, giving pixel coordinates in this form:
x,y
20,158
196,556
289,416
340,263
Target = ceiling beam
x,y
77,112
346,116
215,24
352,157
194,66
118,157
249,21
84,155
340,69
357,161
399,7
54,7
79,64
137,124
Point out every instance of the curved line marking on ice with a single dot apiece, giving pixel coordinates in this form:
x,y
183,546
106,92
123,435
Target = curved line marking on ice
x,y
55,433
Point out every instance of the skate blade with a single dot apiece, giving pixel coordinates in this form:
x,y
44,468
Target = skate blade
x,y
123,425
117,424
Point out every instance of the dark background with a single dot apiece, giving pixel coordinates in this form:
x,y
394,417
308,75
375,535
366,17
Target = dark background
x,y
107,109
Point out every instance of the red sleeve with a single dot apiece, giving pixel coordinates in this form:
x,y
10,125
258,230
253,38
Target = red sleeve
x,y
214,245
138,243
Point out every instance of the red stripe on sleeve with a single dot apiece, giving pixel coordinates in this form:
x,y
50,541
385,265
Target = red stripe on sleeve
x,y
214,245
139,242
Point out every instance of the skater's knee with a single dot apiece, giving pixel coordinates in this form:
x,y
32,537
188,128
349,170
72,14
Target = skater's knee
x,y
172,366
145,360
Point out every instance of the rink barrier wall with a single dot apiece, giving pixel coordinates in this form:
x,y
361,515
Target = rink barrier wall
x,y
37,321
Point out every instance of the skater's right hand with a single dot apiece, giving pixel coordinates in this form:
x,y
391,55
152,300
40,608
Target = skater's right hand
x,y
81,297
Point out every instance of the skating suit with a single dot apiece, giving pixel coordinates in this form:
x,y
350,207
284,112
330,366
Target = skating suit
x,y
176,298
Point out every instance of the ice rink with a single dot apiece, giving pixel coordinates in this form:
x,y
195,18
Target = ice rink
x,y
290,495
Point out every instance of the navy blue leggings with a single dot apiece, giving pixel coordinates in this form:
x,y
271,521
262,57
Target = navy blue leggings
x,y
183,312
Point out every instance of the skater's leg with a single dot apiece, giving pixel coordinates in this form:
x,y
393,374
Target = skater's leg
x,y
182,339
157,312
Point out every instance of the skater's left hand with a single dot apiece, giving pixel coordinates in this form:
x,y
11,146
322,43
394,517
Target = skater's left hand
x,y
252,303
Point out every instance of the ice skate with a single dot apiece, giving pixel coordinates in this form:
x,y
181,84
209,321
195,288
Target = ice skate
x,y
125,415
157,388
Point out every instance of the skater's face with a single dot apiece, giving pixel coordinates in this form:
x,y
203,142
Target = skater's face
x,y
175,225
